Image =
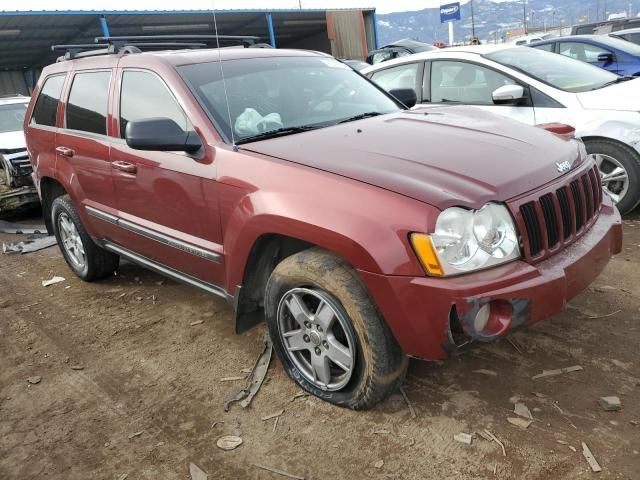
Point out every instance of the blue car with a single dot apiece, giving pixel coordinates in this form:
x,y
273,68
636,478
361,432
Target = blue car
x,y
613,54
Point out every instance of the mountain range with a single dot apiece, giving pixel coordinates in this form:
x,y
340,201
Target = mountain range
x,y
497,18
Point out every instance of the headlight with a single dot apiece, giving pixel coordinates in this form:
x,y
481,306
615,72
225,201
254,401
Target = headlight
x,y
468,240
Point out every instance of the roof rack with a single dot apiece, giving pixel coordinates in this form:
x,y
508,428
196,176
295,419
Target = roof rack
x,y
222,39
137,43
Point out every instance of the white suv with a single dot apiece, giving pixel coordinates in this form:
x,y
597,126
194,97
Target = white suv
x,y
14,160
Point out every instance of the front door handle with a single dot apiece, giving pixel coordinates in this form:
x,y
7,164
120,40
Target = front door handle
x,y
65,151
124,166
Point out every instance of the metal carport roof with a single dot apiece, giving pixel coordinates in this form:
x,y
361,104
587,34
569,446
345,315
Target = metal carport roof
x,y
26,36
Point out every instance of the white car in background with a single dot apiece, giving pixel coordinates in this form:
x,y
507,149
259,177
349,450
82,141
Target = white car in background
x,y
535,87
14,161
527,39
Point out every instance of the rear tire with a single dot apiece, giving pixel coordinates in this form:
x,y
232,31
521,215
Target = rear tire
x,y
87,260
610,155
354,334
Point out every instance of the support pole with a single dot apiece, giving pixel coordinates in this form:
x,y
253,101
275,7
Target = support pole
x,y
473,22
272,33
104,26
451,39
375,29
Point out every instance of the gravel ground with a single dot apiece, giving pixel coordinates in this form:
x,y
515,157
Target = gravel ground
x,y
128,386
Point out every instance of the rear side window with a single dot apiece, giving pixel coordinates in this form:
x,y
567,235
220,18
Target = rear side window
x,y
87,104
44,113
547,47
143,95
382,56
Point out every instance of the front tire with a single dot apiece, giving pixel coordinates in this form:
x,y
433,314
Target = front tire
x,y
619,167
328,333
87,260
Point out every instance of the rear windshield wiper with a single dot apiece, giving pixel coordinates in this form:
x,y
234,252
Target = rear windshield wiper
x,y
361,116
278,132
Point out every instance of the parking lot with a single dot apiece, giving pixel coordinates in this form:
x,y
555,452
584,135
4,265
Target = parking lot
x,y
132,383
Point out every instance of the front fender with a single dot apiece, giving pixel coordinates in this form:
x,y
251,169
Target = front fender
x,y
371,234
625,130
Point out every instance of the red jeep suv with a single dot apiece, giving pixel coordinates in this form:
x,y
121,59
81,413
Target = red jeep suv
x,y
284,181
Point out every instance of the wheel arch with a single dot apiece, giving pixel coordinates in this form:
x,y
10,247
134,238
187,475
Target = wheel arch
x,y
267,251
253,260
50,189
632,199
601,138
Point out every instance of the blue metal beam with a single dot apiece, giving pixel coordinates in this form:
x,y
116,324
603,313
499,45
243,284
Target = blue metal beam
x,y
272,33
104,26
375,30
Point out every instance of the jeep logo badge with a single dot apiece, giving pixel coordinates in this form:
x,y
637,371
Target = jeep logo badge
x,y
563,166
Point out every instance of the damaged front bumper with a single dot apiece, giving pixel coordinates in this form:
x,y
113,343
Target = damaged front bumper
x,y
433,318
13,200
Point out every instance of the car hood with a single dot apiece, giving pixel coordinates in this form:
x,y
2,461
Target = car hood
x,y
623,96
443,156
12,140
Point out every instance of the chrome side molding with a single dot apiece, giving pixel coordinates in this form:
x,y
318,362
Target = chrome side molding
x,y
154,235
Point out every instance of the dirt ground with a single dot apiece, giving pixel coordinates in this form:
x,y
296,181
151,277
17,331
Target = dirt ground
x,y
148,399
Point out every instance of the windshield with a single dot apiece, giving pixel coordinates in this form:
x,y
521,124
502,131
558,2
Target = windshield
x,y
281,93
556,70
12,116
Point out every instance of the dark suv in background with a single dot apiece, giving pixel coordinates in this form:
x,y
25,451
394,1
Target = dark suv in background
x,y
400,48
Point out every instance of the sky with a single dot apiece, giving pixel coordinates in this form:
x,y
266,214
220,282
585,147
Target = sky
x,y
382,6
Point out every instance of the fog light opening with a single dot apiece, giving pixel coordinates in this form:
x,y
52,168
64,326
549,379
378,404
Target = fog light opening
x,y
494,318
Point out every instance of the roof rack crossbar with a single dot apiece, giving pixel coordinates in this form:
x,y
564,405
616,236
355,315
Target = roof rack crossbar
x,y
55,48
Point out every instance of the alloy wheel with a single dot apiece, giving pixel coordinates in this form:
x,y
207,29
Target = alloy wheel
x,y
315,333
615,179
71,241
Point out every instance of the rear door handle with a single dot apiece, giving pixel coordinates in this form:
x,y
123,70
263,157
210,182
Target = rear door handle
x,y
124,166
67,152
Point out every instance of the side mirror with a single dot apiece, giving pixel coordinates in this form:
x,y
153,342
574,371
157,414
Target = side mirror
x,y
605,57
508,95
162,134
407,96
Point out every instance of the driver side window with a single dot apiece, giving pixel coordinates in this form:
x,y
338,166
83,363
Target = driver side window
x,y
584,52
143,96
464,82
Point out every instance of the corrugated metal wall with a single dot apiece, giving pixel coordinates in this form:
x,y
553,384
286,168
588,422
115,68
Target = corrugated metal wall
x,y
347,34
13,82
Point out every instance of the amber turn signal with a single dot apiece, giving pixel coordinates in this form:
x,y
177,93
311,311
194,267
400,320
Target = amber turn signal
x,y
427,253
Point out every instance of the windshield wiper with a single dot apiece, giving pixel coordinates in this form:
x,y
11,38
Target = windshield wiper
x,y
361,116
626,78
278,132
